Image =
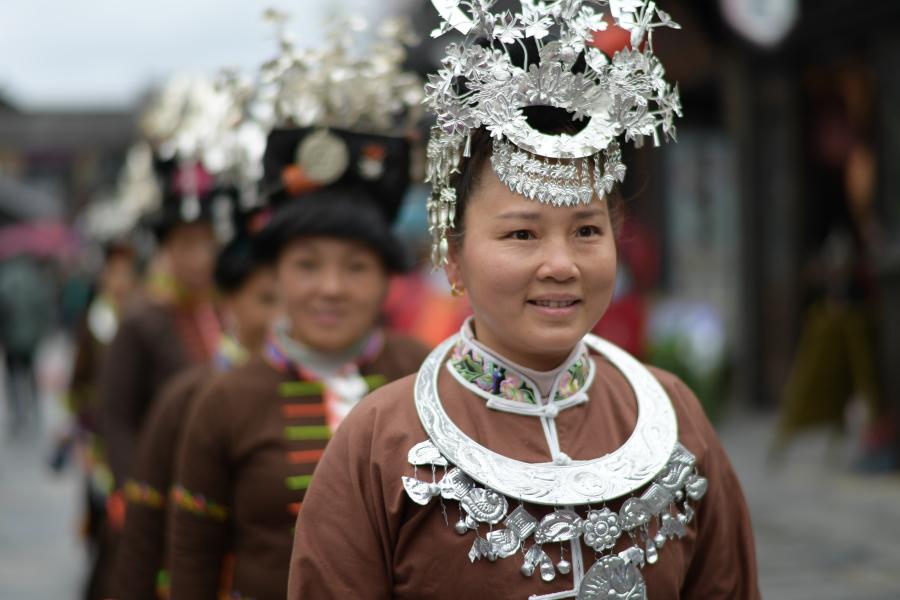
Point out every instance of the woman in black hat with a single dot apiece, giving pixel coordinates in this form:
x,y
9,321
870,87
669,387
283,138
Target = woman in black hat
x,y
255,434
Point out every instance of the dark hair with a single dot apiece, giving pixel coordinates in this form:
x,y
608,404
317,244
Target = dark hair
x,y
236,263
543,118
118,249
346,212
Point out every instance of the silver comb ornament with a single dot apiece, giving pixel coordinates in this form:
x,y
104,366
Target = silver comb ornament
x,y
480,85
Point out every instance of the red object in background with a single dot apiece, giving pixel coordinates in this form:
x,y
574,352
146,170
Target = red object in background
x,y
416,307
41,240
624,324
612,39
192,179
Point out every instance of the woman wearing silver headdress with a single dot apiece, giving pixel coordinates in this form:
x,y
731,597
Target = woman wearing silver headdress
x,y
336,168
527,458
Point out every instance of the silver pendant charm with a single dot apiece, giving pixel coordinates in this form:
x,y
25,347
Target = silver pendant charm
x,y
548,571
426,453
696,487
522,522
673,527
558,526
652,554
532,559
657,499
634,514
659,539
677,471
485,506
461,527
504,542
480,549
601,529
418,491
564,567
612,578
633,556
455,485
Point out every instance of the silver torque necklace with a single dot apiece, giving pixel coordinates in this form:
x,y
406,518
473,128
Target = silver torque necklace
x,y
631,466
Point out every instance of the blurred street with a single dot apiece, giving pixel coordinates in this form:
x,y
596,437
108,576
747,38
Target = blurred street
x,y
41,554
821,533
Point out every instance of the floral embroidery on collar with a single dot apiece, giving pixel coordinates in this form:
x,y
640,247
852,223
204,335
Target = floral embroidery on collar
x,y
496,378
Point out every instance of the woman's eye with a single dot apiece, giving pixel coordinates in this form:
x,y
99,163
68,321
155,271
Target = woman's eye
x,y
588,231
522,234
306,265
358,267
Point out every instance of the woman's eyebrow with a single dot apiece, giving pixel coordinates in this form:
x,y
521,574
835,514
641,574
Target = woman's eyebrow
x,y
587,213
522,214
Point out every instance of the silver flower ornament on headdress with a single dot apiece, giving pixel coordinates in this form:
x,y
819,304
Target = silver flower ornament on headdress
x,y
543,56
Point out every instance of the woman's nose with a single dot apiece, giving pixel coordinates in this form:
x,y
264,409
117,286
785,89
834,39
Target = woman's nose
x,y
557,259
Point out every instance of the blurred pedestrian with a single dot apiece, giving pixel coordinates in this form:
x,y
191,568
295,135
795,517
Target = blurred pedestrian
x,y
248,303
527,458
26,316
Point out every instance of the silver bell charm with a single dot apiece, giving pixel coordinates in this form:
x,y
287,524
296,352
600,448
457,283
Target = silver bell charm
x,y
564,567
461,527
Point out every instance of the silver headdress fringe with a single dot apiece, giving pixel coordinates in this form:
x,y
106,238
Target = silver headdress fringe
x,y
480,85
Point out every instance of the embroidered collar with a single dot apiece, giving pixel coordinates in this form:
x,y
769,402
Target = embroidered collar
x,y
289,356
506,387
230,353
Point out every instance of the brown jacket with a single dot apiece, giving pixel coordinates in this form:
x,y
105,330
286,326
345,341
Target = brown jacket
x,y
252,441
360,536
149,348
141,550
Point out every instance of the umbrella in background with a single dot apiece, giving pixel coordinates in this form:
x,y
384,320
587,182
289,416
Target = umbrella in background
x,y
45,239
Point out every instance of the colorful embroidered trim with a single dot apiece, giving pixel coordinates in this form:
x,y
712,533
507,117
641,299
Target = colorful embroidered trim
x,y
294,508
163,583
138,492
299,411
305,457
299,482
198,505
496,378
297,433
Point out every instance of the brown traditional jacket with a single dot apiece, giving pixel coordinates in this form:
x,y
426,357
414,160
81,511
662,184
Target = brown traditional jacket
x,y
360,536
141,551
253,438
150,347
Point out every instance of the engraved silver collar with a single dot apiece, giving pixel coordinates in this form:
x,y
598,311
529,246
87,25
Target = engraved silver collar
x,y
633,465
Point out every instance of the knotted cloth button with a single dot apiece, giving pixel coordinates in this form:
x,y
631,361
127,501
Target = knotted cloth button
x,y
562,459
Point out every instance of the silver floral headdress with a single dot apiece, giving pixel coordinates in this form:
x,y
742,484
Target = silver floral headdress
x,y
481,85
339,86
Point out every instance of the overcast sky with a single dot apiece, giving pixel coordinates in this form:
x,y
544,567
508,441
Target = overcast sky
x,y
82,53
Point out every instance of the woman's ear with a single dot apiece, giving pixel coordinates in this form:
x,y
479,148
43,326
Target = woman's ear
x,y
452,269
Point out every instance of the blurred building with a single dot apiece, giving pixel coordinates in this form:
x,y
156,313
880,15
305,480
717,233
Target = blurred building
x,y
57,160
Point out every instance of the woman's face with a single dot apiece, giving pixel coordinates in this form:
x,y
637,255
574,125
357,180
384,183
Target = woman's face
x,y
331,290
190,250
252,308
539,277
